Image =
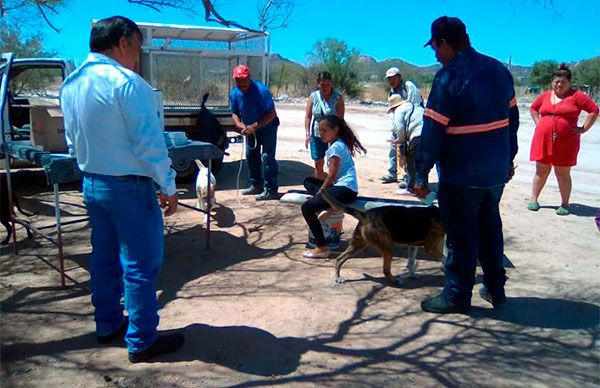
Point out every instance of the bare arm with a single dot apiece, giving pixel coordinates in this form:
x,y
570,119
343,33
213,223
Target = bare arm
x,y
591,119
266,119
238,122
308,116
340,107
535,115
334,168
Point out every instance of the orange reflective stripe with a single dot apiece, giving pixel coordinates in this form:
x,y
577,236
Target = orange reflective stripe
x,y
465,129
440,118
513,102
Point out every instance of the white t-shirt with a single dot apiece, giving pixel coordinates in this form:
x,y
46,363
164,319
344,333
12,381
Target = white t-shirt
x,y
347,173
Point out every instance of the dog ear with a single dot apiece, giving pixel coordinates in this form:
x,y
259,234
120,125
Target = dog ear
x,y
435,239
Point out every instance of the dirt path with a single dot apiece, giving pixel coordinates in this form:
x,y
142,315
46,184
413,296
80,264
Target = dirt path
x,y
256,313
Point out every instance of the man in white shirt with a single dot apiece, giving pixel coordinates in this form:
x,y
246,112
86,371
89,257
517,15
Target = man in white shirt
x,y
112,129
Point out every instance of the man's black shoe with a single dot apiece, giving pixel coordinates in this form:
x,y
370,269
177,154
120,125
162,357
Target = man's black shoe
x,y
266,196
496,301
165,343
439,304
115,335
388,179
252,190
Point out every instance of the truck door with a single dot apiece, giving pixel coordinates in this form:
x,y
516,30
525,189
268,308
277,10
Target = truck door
x,y
5,65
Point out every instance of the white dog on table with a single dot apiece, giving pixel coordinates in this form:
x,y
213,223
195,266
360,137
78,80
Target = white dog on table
x,y
202,192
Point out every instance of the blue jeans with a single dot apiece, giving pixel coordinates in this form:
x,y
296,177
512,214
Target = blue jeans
x,y
471,217
317,203
260,154
410,150
393,170
318,148
127,254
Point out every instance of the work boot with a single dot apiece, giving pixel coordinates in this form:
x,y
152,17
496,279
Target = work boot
x,y
252,190
164,344
496,301
266,196
118,334
439,304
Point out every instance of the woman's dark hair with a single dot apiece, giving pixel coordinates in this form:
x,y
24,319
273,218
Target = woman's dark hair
x,y
345,133
323,75
562,71
106,33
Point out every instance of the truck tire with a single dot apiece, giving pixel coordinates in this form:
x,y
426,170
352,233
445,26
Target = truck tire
x,y
185,171
217,165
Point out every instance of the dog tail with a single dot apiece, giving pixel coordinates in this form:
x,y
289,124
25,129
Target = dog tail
x,y
340,207
20,209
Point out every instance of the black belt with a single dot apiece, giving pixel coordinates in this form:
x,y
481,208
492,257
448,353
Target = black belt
x,y
120,177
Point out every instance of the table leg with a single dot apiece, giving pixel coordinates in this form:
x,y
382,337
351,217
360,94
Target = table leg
x,y
61,263
208,217
10,204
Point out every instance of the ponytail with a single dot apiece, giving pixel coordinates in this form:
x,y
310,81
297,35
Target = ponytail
x,y
345,133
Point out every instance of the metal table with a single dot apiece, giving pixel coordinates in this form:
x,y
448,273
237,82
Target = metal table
x,y
62,168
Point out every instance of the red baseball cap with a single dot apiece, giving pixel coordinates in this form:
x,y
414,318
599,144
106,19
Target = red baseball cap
x,y
241,71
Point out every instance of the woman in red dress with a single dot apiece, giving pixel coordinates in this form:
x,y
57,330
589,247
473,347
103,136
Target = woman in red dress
x,y
557,136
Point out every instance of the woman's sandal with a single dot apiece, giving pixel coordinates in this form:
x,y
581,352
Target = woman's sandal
x,y
563,211
533,206
316,255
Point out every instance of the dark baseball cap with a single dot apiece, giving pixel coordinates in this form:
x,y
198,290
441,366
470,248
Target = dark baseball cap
x,y
449,28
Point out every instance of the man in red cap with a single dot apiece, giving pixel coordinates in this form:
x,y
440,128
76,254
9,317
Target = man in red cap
x,y
253,112
469,129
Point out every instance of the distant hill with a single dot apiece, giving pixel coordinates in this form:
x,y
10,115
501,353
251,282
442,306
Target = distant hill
x,y
372,70
292,78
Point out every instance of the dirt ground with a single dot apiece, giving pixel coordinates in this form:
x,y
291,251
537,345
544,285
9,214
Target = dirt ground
x,y
256,313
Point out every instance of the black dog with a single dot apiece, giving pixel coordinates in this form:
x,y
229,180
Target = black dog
x,y
6,212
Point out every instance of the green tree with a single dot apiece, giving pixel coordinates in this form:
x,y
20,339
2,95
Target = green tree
x,y
541,73
588,73
12,40
336,57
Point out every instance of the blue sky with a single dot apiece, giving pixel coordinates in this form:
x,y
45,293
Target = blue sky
x,y
527,31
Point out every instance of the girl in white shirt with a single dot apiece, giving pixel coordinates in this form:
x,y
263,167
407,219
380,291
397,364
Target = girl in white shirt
x,y
340,183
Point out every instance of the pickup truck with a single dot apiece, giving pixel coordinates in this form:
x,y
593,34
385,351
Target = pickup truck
x,y
183,62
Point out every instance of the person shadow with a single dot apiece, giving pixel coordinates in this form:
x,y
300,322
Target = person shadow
x,y
245,349
580,210
547,313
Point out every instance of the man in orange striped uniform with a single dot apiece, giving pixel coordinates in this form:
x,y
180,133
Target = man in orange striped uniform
x,y
470,130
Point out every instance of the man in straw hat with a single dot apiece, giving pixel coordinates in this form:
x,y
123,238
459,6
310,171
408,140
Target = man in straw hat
x,y
407,122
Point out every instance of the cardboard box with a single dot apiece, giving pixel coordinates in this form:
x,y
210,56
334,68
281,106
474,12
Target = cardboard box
x,y
47,126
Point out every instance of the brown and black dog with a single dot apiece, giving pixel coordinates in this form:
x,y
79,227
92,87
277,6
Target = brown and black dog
x,y
6,212
381,227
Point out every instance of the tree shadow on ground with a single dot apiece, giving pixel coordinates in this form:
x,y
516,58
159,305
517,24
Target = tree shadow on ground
x,y
449,361
291,173
548,313
505,343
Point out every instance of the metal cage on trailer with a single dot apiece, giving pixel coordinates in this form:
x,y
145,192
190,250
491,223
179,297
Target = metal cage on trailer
x,y
186,62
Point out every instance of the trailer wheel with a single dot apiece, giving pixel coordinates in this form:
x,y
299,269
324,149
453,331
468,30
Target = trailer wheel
x,y
217,165
185,171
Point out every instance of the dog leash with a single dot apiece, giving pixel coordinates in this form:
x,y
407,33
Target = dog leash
x,y
242,157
